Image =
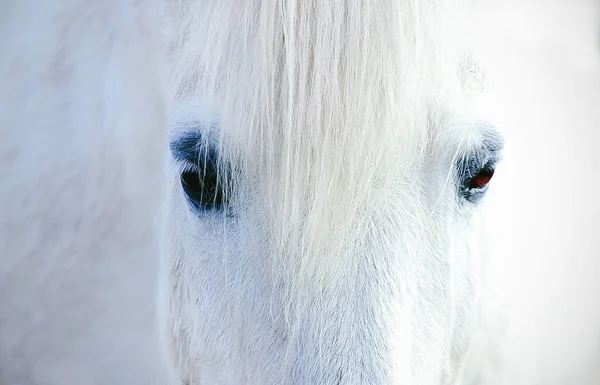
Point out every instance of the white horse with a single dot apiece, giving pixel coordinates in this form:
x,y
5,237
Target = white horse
x,y
324,176
326,162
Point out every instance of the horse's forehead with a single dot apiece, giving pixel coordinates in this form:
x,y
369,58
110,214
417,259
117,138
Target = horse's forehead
x,y
320,92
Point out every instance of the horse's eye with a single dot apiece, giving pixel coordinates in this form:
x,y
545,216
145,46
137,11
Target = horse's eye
x,y
203,189
205,177
481,179
475,181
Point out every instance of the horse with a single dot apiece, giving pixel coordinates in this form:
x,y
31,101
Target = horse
x,y
326,165
324,169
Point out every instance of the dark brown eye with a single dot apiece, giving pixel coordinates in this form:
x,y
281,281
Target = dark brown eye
x,y
203,189
205,177
475,169
481,179
474,181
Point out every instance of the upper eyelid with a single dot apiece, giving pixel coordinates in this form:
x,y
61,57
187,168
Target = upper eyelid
x,y
185,147
190,149
190,137
486,153
491,143
476,159
484,156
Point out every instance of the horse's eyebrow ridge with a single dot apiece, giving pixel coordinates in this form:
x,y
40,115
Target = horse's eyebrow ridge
x,y
186,147
192,139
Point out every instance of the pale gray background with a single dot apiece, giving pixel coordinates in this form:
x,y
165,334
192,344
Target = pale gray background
x,y
543,297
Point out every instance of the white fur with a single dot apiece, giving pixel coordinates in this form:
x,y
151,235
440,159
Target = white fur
x,y
347,259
